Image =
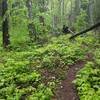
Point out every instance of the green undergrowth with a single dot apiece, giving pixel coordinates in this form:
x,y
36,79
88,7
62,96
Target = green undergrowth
x,y
88,79
23,71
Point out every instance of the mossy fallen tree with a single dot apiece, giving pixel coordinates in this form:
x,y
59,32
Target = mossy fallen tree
x,y
86,30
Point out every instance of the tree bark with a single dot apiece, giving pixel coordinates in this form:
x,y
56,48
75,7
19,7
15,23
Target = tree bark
x,y
5,24
31,26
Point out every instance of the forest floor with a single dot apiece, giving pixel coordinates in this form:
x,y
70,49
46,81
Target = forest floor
x,y
67,89
50,72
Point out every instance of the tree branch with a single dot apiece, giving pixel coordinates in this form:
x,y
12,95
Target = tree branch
x,y
86,30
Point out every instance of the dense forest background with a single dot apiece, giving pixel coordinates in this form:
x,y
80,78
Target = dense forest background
x,y
34,20
41,61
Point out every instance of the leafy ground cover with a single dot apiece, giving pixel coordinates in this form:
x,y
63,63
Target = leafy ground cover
x,y
88,79
33,73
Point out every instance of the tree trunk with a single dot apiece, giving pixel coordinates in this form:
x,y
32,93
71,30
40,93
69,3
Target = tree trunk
x,y
5,24
62,13
90,11
30,25
42,10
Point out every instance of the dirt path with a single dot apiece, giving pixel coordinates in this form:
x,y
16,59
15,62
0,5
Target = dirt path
x,y
67,90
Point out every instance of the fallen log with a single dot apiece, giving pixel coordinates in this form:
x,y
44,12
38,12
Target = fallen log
x,y
86,30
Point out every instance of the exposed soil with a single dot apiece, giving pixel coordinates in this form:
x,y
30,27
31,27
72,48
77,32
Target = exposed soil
x,y
67,90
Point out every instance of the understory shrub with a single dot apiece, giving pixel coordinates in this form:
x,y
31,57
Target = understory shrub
x,y
20,70
88,79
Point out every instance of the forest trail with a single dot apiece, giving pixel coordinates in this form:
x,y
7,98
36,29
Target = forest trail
x,y
67,90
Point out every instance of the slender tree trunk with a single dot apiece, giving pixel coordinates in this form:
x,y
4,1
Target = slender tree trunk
x,y
77,7
71,14
62,12
30,25
42,10
5,24
91,7
53,17
0,9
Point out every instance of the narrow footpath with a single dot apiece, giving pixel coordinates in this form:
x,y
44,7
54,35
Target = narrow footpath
x,y
67,90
